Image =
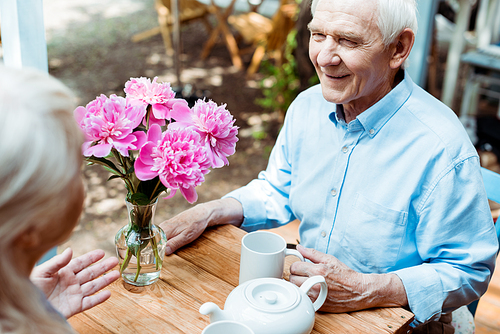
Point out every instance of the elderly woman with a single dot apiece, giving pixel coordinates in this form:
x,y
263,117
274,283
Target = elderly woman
x,y
41,197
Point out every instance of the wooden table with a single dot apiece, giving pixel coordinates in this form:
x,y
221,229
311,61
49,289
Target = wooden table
x,y
207,270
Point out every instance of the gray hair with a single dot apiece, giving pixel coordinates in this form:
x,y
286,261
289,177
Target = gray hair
x,y
40,147
393,17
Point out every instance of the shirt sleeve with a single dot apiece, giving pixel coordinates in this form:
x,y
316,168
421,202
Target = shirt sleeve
x,y
265,200
456,240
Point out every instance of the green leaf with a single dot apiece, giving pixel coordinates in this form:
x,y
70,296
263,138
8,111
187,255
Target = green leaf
x,y
109,165
112,171
114,177
139,199
137,238
134,241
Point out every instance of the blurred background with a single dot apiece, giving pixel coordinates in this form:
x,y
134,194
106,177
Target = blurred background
x,y
251,55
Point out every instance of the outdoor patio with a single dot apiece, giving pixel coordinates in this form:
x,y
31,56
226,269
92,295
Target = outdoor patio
x,y
90,49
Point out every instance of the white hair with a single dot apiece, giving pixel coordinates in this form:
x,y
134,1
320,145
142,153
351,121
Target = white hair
x,y
39,148
393,17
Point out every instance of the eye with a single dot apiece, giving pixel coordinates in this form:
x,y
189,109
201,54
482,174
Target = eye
x,y
317,36
347,42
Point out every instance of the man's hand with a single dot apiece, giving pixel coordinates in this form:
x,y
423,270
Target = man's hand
x,y
70,284
185,227
190,224
348,290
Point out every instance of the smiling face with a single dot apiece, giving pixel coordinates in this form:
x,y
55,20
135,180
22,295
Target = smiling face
x,y
346,49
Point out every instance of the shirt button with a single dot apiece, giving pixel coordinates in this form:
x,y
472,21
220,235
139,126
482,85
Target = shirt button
x,y
371,131
333,192
323,234
345,149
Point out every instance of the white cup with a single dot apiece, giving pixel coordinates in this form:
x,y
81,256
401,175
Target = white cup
x,y
227,327
263,255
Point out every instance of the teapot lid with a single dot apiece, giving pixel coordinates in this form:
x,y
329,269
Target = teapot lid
x,y
272,294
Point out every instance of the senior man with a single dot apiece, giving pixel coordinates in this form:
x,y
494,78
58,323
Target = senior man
x,y
382,176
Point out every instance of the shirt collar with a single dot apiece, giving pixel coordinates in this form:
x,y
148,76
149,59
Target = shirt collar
x,y
337,116
375,117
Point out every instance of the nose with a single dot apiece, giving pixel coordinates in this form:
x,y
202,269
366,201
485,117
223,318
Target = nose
x,y
329,53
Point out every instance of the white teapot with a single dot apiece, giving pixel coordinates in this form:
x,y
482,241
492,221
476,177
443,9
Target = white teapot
x,y
271,306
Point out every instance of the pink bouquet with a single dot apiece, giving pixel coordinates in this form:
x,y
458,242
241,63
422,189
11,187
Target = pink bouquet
x,y
154,141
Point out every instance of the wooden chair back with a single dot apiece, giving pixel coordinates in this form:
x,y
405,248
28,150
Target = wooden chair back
x,y
268,36
189,10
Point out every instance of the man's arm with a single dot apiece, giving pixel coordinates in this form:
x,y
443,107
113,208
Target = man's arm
x,y
190,224
456,241
348,290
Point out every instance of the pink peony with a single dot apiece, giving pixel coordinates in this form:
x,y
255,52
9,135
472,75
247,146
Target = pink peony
x,y
109,123
176,157
159,95
215,126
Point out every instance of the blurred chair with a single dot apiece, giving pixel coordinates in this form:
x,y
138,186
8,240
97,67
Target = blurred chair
x,y
492,185
487,31
267,36
253,28
222,29
483,79
189,10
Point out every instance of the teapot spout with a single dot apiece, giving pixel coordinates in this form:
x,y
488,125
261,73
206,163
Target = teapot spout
x,y
213,311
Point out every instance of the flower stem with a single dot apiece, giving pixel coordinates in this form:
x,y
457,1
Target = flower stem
x,y
155,252
145,217
125,167
126,260
148,115
153,193
138,257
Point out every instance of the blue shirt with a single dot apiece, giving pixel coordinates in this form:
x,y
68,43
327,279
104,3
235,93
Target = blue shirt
x,y
397,190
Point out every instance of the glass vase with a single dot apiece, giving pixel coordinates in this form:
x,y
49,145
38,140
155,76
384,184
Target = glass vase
x,y
140,246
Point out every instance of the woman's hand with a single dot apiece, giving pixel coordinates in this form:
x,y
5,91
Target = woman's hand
x,y
70,285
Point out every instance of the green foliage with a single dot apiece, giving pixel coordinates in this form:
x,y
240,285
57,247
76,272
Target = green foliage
x,y
138,192
284,79
259,135
107,164
139,199
267,151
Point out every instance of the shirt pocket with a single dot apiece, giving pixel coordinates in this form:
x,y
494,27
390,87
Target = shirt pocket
x,y
373,235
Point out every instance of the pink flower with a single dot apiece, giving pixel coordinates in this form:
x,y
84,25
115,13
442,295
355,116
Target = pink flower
x,y
109,123
176,157
215,126
159,95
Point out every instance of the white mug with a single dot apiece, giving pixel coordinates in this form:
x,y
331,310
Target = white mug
x,y
227,327
263,255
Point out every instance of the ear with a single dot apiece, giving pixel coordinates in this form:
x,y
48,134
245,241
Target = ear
x,y
401,48
28,239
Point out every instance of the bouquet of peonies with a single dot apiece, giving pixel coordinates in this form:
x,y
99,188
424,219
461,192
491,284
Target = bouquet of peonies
x,y
155,143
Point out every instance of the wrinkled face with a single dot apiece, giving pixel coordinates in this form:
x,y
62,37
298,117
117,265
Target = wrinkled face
x,y
347,51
